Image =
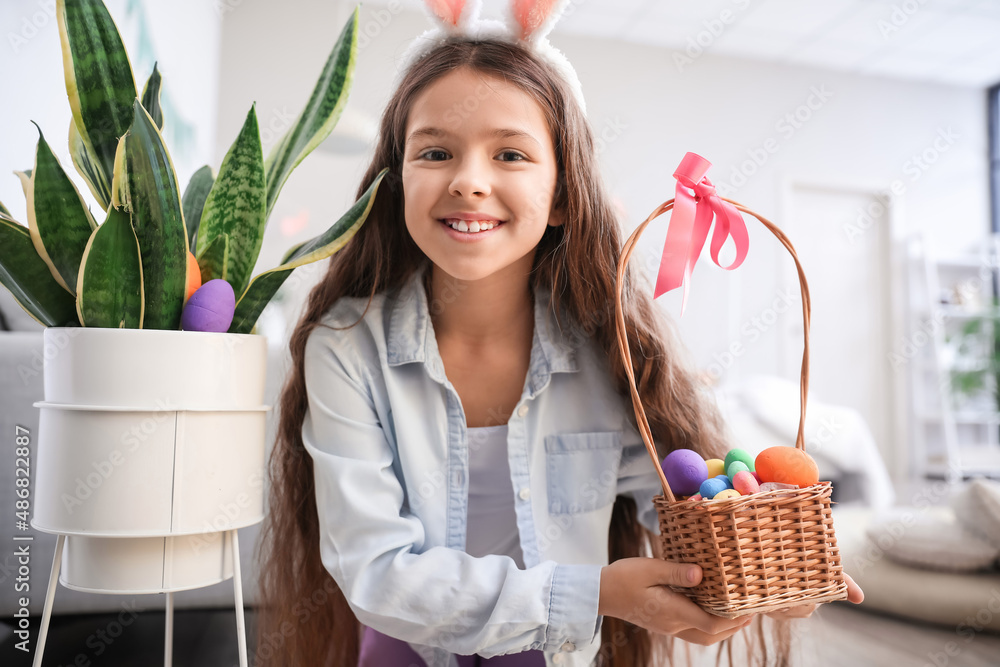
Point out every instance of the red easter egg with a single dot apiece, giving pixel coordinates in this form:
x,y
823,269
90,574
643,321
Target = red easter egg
x,y
788,465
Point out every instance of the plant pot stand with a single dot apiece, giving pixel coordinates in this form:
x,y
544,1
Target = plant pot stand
x,y
151,449
54,580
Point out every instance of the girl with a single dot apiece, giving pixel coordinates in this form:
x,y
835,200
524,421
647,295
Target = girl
x,y
457,460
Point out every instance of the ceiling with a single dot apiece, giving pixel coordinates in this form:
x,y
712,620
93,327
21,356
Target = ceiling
x,y
947,41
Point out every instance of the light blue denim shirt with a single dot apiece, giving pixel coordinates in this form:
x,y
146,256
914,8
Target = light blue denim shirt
x,y
388,437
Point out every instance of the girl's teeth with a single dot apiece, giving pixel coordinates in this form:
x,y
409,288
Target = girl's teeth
x,y
473,227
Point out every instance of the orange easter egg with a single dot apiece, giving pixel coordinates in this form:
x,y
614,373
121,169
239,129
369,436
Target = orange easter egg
x,y
788,465
193,276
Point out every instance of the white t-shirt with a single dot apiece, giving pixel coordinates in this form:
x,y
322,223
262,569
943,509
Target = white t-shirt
x,y
492,525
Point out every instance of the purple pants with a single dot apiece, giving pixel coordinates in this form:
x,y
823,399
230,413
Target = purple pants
x,y
378,650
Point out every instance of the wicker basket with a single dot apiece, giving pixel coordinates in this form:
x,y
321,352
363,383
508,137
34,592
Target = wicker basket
x,y
760,552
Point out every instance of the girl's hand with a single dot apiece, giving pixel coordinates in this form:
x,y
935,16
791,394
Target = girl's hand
x,y
854,594
635,590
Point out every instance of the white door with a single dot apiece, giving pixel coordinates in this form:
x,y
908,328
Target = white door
x,y
843,238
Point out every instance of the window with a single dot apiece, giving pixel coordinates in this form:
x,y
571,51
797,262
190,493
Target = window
x,y
994,137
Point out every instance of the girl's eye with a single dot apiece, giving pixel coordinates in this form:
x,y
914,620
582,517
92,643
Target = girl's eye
x,y
511,156
434,155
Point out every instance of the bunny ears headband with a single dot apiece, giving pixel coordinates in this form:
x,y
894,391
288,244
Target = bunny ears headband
x,y
527,23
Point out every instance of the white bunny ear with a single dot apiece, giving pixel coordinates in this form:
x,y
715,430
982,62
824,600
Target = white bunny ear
x,y
534,19
455,16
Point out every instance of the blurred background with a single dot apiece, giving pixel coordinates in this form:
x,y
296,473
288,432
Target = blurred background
x,y
867,131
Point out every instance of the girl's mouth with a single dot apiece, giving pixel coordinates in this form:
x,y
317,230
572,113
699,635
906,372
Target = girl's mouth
x,y
470,230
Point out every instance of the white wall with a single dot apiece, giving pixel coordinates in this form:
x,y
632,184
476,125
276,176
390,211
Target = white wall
x,y
865,134
182,37
649,114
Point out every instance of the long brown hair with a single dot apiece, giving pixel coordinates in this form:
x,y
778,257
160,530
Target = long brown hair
x,y
303,618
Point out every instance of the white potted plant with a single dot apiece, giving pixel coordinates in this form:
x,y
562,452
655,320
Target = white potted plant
x,y
151,437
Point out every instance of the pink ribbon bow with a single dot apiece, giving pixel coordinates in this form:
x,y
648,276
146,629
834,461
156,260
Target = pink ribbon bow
x,y
689,225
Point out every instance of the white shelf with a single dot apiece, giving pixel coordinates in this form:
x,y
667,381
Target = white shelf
x,y
967,418
962,263
973,461
959,312
952,441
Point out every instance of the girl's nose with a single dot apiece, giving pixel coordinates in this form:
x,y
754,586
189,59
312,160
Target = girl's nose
x,y
471,179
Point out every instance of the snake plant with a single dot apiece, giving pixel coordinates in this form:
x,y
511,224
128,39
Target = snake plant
x,y
128,267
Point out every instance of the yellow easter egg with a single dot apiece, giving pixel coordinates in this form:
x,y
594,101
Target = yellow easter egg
x,y
716,467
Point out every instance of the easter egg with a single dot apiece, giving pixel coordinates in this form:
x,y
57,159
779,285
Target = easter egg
x,y
696,496
716,467
744,482
738,454
725,480
756,475
210,308
193,276
735,467
788,465
712,486
685,470
726,493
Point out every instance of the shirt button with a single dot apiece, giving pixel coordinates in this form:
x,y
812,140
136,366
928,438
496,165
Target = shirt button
x,y
524,493
557,658
569,646
523,410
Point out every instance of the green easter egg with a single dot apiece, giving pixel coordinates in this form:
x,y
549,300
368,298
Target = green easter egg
x,y
740,455
735,467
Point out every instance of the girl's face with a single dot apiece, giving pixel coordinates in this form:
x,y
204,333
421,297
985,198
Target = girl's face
x,y
478,154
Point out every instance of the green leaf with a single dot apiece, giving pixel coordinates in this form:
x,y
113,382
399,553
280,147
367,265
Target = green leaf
x,y
60,223
213,261
193,201
29,280
235,206
250,305
111,287
145,185
4,210
320,115
99,80
151,97
86,165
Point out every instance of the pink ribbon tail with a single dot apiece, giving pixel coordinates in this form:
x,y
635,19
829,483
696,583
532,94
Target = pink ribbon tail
x,y
689,226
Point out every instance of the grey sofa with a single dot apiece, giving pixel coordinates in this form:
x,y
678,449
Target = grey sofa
x,y
21,359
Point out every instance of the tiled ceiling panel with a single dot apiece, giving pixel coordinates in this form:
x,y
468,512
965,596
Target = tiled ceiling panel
x,y
946,41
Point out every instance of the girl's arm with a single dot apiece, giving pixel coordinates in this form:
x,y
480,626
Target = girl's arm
x,y
369,543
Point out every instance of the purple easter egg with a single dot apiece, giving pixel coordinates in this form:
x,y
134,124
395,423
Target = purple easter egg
x,y
685,470
210,308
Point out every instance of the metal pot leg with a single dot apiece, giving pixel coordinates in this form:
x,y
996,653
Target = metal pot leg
x,y
50,596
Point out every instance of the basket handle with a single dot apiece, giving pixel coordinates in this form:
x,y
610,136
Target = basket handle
x,y
623,347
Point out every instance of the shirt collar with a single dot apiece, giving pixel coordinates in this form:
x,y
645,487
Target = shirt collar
x,y
411,337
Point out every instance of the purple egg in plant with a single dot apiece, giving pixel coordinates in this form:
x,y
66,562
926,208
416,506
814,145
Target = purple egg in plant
x,y
685,470
210,308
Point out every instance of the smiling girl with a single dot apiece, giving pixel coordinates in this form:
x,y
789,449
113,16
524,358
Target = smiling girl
x,y
458,478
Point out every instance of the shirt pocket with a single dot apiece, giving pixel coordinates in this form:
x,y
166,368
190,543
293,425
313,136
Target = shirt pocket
x,y
582,470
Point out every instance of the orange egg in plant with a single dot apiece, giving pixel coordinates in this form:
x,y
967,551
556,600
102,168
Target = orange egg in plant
x,y
193,276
